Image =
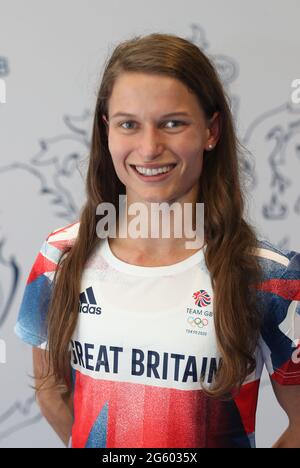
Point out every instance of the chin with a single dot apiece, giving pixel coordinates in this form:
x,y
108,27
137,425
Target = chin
x,y
158,199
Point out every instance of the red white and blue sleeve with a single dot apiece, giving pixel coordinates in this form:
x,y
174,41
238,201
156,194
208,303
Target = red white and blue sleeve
x,y
31,324
280,332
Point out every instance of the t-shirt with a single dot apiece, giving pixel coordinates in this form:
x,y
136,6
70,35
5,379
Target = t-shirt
x,y
145,336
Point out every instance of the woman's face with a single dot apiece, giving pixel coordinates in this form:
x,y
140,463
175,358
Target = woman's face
x,y
151,139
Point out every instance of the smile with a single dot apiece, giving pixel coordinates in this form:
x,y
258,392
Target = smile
x,y
154,173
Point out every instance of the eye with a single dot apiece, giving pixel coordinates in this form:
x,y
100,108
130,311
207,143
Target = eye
x,y
127,121
131,121
176,121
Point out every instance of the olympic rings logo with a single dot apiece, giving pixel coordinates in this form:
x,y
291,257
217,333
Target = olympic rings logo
x,y
198,322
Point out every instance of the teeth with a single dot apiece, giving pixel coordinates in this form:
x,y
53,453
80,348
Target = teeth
x,y
151,172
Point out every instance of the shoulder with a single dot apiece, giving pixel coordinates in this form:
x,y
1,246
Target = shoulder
x,y
57,243
63,238
281,276
277,261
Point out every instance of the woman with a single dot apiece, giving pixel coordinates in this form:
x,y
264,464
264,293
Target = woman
x,y
166,346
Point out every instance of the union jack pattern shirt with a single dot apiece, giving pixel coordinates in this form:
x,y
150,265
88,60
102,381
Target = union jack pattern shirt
x,y
145,336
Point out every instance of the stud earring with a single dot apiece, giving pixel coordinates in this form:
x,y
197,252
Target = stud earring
x,y
210,146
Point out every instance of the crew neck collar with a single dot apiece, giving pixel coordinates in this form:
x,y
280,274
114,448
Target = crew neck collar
x,y
150,271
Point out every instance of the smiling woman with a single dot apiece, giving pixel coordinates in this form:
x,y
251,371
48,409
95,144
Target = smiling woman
x,y
149,143
161,338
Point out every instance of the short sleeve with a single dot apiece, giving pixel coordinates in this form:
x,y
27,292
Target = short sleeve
x,y
32,315
280,333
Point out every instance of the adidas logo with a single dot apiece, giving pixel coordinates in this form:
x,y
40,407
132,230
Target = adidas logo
x,y
88,303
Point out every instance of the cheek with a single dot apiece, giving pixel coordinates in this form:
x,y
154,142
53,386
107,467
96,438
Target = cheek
x,y
118,153
192,162
192,158
114,147
188,147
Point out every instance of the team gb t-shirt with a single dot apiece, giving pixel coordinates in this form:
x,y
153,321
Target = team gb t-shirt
x,y
145,336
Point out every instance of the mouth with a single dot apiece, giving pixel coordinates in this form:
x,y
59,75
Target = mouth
x,y
153,174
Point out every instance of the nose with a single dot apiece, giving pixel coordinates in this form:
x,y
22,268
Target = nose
x,y
150,143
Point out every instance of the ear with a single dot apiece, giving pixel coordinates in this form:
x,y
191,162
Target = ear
x,y
214,129
105,119
106,123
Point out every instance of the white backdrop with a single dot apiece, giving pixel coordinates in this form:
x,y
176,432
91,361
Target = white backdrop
x,y
51,58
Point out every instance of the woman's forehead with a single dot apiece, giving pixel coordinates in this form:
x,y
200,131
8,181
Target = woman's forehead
x,y
137,93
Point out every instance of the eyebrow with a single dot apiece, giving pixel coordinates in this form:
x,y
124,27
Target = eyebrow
x,y
170,114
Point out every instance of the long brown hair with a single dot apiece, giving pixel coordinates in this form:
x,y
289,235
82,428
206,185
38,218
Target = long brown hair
x,y
230,240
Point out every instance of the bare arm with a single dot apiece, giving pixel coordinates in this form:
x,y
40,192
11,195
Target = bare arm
x,y
288,397
55,407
